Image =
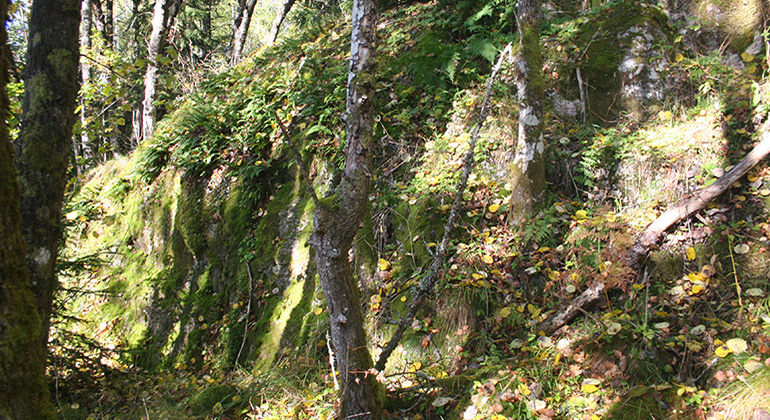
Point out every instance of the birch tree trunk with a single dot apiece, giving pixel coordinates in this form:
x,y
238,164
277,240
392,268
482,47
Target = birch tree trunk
x,y
336,221
23,387
44,148
278,21
241,28
83,149
163,15
528,166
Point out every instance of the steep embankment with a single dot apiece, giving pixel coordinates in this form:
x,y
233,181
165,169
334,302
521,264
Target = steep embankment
x,y
202,233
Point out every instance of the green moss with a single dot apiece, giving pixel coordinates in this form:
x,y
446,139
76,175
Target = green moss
x,y
205,401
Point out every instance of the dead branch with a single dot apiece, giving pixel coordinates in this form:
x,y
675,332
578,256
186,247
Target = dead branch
x,y
691,204
652,234
426,286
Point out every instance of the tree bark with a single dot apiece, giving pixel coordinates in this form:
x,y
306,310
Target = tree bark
x,y
528,166
102,19
44,148
83,149
336,221
278,21
163,15
241,28
23,387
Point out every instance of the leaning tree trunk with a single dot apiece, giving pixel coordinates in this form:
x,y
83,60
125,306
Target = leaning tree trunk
x,y
163,15
336,221
528,166
23,387
278,21
241,28
44,147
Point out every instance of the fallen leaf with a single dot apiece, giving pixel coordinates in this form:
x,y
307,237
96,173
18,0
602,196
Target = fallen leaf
x,y
536,405
737,345
524,390
755,292
488,259
494,208
741,249
414,367
383,264
441,401
690,253
752,366
722,351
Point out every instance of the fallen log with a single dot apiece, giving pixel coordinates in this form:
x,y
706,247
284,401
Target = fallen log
x,y
652,234
693,203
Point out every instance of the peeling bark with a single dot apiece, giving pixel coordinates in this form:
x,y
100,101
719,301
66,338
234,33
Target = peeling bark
x,y
336,221
528,165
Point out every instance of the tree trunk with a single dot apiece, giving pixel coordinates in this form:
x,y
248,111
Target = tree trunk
x,y
45,140
84,148
528,166
102,19
336,221
279,18
23,387
241,28
163,15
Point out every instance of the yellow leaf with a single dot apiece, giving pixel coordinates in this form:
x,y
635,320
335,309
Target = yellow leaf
x,y
403,298
596,417
695,277
383,264
557,359
695,290
722,351
477,276
317,311
581,215
589,388
752,177
747,57
414,367
524,390
690,253
488,259
679,57
494,208
505,312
